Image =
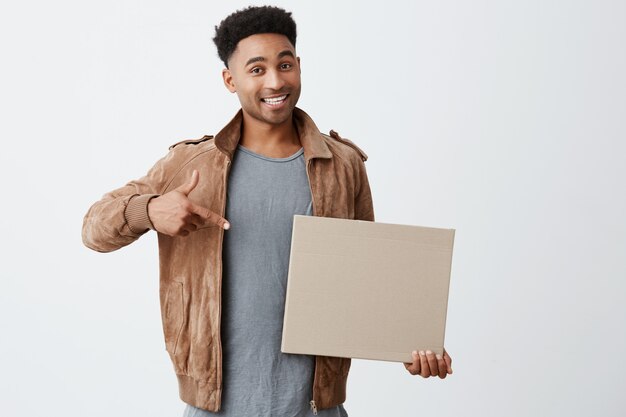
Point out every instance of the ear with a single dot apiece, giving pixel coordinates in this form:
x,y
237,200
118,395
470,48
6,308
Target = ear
x,y
228,80
299,67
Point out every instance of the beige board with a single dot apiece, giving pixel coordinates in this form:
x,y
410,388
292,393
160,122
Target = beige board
x,y
359,289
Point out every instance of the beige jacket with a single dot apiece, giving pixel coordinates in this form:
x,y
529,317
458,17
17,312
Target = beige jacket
x,y
191,267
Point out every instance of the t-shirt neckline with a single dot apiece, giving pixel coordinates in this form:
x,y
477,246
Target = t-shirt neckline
x,y
267,158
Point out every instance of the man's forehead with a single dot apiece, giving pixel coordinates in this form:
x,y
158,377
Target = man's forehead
x,y
266,45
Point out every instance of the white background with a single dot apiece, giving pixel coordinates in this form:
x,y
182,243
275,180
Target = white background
x,y
504,120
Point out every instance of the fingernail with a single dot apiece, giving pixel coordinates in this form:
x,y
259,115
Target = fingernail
x,y
414,353
429,352
226,226
422,352
439,356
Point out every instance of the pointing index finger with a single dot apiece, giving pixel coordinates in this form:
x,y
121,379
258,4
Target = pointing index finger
x,y
211,216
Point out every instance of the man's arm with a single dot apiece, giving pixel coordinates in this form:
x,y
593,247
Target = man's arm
x,y
121,216
363,204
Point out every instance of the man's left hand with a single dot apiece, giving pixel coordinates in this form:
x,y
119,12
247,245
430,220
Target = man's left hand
x,y
428,364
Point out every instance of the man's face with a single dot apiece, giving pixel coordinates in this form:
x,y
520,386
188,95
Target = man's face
x,y
265,73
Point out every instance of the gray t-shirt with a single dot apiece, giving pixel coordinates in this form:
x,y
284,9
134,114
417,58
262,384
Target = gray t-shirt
x,y
258,379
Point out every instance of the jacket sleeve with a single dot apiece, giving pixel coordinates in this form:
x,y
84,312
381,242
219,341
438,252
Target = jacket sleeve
x,y
121,216
363,204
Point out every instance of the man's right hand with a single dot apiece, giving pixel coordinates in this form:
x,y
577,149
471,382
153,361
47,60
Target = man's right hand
x,y
174,214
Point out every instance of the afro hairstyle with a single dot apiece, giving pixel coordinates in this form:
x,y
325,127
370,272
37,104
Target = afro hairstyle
x,y
251,21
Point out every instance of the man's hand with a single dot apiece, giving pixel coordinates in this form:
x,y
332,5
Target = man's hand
x,y
174,214
428,364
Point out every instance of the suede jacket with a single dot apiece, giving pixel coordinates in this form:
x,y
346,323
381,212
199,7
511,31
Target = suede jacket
x,y
191,267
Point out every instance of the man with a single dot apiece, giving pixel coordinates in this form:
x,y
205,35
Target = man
x,y
222,293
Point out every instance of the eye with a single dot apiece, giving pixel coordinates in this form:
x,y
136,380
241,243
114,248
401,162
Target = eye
x,y
256,70
285,66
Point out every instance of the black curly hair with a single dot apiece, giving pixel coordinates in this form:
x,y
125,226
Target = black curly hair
x,y
251,21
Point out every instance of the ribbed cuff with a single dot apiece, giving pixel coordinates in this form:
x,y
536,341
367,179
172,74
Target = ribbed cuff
x,y
200,393
136,213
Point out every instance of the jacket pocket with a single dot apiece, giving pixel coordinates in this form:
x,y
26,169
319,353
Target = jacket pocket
x,y
173,316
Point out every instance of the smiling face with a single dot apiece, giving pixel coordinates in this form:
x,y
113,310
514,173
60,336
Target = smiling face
x,y
265,73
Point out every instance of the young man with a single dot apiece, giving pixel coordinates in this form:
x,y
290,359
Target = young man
x,y
222,293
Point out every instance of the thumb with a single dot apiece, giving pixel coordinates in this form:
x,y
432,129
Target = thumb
x,y
188,187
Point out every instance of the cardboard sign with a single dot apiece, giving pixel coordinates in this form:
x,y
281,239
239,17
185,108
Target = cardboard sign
x,y
359,289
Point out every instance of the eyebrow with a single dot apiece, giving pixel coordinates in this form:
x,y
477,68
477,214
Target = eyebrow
x,y
286,52
281,54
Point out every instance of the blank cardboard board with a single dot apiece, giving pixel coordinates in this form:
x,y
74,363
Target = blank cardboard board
x,y
366,290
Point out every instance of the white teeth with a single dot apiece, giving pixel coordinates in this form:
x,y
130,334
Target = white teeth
x,y
275,100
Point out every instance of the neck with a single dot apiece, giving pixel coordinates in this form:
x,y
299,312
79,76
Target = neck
x,y
273,141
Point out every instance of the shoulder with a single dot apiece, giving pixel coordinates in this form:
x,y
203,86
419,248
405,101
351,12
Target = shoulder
x,y
185,151
191,148
193,142
343,147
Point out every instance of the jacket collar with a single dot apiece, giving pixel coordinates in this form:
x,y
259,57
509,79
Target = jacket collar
x,y
310,137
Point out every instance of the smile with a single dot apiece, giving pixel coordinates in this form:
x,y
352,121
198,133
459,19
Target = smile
x,y
275,101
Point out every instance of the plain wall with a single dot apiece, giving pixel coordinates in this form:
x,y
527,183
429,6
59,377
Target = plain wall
x,y
503,120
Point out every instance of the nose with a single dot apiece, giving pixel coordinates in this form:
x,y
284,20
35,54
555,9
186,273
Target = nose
x,y
274,80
